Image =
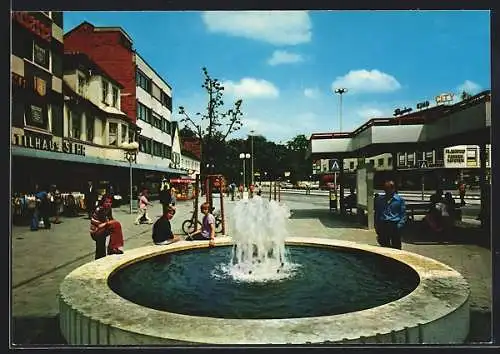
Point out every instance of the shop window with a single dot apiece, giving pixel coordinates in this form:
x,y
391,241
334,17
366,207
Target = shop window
x,y
124,133
113,134
41,55
82,84
90,129
75,125
115,97
105,91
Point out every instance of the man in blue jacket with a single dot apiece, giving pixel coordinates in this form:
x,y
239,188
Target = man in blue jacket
x,y
390,216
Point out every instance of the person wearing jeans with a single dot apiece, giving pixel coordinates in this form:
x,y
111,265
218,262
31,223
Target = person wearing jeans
x,y
390,217
142,211
103,225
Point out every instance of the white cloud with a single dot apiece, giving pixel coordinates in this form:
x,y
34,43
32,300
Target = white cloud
x,y
468,86
370,113
275,27
357,81
284,57
251,88
311,92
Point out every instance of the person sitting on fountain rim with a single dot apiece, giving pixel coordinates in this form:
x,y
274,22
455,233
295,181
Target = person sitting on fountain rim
x,y
390,217
207,231
162,230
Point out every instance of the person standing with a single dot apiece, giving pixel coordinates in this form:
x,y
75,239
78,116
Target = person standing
x,y
42,209
390,217
173,198
461,193
102,225
162,229
165,195
90,198
56,195
142,211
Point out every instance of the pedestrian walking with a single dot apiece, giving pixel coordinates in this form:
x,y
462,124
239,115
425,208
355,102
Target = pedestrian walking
x,y
90,198
42,209
142,211
102,225
390,217
57,203
173,198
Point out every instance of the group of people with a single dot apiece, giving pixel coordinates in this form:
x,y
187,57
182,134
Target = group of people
x,y
233,190
442,212
102,223
46,202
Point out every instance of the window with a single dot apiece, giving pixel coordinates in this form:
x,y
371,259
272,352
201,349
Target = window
x,y
75,125
82,83
113,134
371,162
143,81
143,113
157,148
90,129
167,126
41,56
144,145
380,162
115,97
124,133
411,160
156,91
166,100
389,161
157,121
167,152
401,159
105,91
351,165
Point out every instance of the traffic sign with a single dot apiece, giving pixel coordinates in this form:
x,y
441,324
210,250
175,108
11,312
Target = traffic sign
x,y
422,163
334,165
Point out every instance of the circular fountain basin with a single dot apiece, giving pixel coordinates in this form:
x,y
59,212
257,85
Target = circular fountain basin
x,y
435,311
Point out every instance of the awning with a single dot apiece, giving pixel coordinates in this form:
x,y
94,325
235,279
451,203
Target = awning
x,y
51,155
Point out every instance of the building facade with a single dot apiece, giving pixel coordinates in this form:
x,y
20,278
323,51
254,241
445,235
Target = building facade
x,y
145,98
37,97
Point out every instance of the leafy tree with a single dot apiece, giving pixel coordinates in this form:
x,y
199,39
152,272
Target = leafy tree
x,y
220,123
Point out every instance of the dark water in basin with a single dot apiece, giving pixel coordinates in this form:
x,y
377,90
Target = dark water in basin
x,y
326,282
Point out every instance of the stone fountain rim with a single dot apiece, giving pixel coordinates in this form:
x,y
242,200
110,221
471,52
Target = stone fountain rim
x,y
440,292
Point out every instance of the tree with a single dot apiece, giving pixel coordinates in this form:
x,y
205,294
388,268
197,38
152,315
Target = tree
x,y
297,162
220,123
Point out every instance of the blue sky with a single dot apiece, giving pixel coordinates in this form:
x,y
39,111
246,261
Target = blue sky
x,y
285,65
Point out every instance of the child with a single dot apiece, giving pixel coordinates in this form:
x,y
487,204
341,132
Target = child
x,y
207,231
162,229
142,211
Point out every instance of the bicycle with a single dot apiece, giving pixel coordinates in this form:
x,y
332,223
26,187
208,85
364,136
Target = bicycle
x,y
188,225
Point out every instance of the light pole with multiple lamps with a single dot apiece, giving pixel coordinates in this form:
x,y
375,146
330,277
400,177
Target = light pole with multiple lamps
x,y
131,150
340,92
244,156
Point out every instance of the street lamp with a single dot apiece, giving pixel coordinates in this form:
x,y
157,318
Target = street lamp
x,y
251,140
243,157
340,92
131,150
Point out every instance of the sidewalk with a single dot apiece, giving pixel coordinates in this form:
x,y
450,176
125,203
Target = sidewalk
x,y
41,260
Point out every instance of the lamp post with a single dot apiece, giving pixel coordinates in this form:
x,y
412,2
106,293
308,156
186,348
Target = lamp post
x,y
244,156
340,92
251,152
131,150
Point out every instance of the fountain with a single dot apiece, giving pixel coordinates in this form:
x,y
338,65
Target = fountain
x,y
262,286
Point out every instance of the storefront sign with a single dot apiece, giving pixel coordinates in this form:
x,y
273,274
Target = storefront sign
x,y
34,25
454,158
40,142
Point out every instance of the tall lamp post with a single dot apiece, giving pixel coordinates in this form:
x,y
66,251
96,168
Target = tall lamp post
x,y
251,152
340,92
131,150
244,156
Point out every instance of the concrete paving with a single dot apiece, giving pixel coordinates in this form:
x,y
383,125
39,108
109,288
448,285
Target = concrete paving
x,y
41,259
